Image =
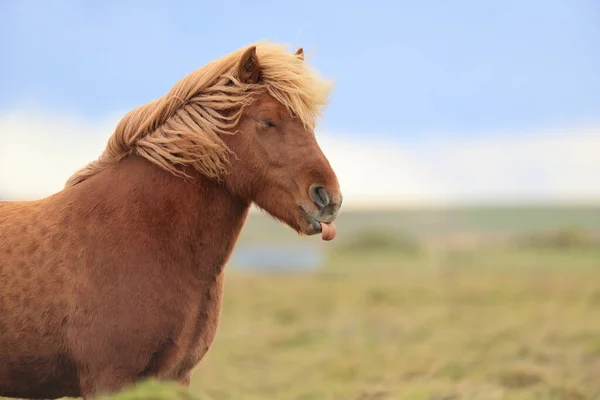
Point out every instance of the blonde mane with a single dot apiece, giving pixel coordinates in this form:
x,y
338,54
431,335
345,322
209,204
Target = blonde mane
x,y
182,128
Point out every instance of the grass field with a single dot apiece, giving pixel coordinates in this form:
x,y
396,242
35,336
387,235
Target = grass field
x,y
408,315
477,324
420,318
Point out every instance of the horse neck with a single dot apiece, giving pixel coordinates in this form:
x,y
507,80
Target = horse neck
x,y
199,217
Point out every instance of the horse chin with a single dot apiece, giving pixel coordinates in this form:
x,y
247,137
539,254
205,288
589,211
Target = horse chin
x,y
313,227
299,220
303,224
310,225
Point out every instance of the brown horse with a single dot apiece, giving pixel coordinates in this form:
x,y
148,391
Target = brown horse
x,y
119,276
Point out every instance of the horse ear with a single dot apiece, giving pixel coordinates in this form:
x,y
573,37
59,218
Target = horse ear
x,y
249,67
300,53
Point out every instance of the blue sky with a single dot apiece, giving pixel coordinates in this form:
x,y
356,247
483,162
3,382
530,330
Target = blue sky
x,y
436,101
404,70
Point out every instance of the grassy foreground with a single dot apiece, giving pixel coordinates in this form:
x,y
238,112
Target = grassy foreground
x,y
495,324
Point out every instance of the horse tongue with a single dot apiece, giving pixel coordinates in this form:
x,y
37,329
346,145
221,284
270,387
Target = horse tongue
x,y
327,231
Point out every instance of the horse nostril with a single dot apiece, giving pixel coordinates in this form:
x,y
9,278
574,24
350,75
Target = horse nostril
x,y
319,196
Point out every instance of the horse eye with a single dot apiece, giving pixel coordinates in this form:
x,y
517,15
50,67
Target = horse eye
x,y
268,123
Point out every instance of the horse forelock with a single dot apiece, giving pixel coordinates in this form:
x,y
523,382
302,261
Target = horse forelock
x,y
182,128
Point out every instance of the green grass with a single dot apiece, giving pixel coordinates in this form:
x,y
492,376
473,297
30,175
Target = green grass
x,y
475,324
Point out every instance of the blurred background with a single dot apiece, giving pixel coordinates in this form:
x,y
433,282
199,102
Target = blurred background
x,y
466,138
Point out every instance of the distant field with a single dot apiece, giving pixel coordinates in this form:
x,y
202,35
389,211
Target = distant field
x,y
486,221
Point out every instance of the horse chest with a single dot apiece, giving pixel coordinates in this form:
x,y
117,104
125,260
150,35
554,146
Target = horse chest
x,y
200,327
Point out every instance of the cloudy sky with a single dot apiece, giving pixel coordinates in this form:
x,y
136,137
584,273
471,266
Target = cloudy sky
x,y
444,102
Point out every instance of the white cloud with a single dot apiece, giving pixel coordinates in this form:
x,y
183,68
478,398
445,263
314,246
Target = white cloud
x,y
550,167
379,172
39,152
541,167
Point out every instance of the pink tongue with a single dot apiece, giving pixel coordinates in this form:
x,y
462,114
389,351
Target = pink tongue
x,y
327,231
